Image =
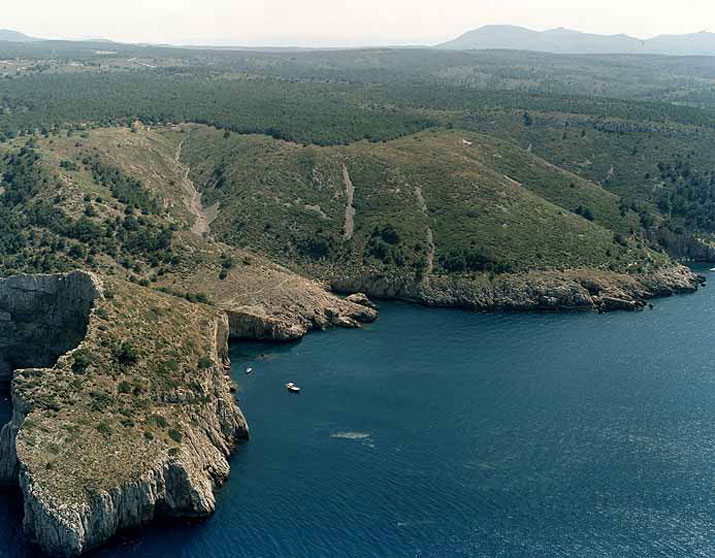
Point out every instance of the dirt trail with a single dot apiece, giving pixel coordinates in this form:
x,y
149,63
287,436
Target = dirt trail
x,y
192,199
430,235
349,209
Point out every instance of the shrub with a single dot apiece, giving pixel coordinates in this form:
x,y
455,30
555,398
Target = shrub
x,y
126,354
104,428
158,420
82,360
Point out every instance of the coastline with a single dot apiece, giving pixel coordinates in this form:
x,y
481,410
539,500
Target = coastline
x,y
579,289
138,499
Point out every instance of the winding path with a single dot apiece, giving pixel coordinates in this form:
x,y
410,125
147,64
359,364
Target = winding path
x,y
349,209
422,204
192,198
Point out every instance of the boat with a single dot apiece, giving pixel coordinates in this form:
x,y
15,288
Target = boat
x,y
290,386
712,269
249,370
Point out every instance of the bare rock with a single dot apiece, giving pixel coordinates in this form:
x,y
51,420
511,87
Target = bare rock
x,y
362,300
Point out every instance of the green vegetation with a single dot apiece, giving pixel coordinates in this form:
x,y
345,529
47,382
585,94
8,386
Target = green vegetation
x,y
484,205
596,161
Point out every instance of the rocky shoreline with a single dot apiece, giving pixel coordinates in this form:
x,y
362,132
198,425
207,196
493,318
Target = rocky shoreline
x,y
125,446
584,289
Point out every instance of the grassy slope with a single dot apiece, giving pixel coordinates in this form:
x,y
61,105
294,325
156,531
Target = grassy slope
x,y
421,202
489,196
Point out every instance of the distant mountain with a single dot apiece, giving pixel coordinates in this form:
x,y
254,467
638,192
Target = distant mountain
x,y
568,41
16,37
693,43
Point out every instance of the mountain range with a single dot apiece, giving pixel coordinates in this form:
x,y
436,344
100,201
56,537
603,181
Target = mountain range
x,y
568,41
510,37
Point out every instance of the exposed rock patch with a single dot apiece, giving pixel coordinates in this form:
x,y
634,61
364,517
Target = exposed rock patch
x,y
362,300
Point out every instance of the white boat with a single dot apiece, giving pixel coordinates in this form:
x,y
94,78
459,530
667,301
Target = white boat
x,y
712,269
290,386
249,370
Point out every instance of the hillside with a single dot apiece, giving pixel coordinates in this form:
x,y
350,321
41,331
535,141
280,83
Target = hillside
x,y
478,196
182,197
421,210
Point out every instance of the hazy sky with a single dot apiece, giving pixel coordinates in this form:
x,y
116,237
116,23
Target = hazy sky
x,y
341,22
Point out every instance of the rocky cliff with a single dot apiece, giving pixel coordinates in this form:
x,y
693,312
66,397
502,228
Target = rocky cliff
x,y
41,318
537,290
135,420
267,302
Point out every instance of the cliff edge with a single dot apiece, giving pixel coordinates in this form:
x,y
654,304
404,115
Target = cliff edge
x,y
134,420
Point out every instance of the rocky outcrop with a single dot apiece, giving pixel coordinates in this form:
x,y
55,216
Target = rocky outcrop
x,y
553,290
255,322
362,300
41,318
130,437
684,246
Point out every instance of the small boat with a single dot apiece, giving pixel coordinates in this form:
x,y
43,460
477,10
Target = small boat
x,y
249,370
712,269
290,386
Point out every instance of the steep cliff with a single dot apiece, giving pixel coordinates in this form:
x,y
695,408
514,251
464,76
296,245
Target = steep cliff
x,y
136,420
41,318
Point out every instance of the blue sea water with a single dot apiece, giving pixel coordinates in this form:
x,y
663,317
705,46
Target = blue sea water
x,y
440,433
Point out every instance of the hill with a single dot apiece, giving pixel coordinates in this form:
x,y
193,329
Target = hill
x,y
403,218
568,41
555,40
16,37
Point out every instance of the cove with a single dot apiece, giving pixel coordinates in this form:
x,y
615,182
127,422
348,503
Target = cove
x,y
441,433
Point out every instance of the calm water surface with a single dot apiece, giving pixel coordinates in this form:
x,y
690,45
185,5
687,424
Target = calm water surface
x,y
439,433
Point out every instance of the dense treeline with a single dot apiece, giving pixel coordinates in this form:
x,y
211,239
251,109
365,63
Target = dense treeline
x,y
311,112
691,201
38,235
338,97
578,112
